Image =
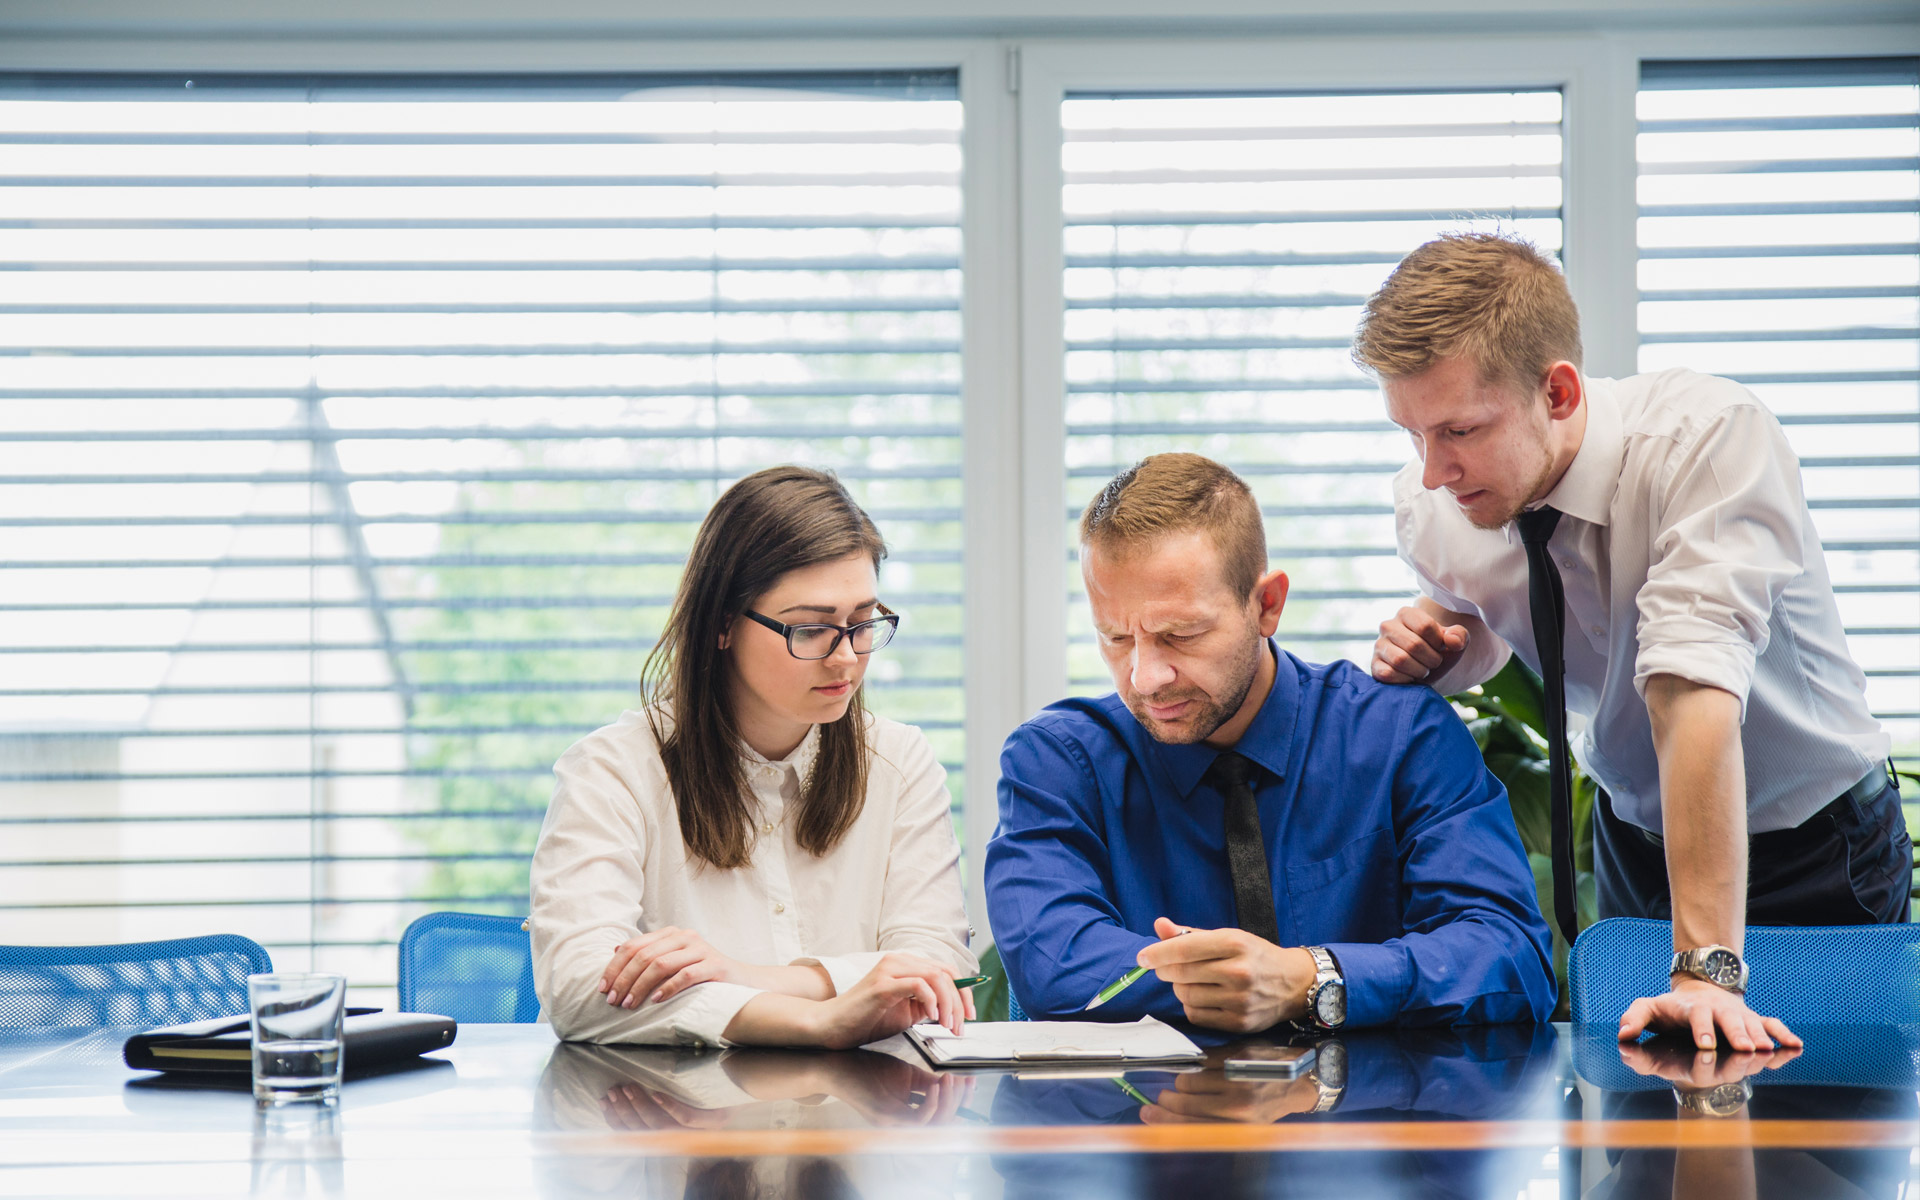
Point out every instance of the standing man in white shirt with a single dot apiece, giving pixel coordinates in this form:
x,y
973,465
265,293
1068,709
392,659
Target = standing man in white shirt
x,y
1658,521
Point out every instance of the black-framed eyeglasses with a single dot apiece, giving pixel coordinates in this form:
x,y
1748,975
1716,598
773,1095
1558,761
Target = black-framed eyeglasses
x,y
814,640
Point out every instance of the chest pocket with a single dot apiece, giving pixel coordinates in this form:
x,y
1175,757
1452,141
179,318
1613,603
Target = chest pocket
x,y
1350,895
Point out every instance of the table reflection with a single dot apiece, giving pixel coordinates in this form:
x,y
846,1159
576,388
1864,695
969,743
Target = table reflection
x,y
639,1089
1665,1078
1481,1073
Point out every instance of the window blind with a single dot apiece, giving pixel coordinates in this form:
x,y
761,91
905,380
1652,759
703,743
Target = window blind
x,y
1779,232
352,435
1219,250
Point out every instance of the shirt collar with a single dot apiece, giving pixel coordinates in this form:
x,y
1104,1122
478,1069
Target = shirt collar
x,y
1586,490
799,759
1268,741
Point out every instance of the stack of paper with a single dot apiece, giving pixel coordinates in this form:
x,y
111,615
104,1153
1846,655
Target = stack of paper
x,y
1016,1043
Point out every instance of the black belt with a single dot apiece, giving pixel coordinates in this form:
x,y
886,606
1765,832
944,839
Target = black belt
x,y
1870,785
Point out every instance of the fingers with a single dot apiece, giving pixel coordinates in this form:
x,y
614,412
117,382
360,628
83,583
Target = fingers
x,y
640,953
1778,1031
624,954
1197,945
947,998
1701,1020
666,966
1164,929
1635,1020
699,972
1189,1107
1413,645
966,1001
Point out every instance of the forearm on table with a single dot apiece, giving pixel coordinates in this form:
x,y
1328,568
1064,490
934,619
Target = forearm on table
x,y
1703,806
772,1019
807,981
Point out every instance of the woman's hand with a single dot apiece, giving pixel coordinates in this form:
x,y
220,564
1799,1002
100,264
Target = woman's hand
x,y
630,1106
901,990
658,965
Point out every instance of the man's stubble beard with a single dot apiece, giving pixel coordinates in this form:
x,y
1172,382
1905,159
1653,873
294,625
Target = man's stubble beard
x,y
1526,496
1213,714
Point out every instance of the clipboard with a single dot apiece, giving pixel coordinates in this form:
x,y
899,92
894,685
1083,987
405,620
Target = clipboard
x,y
1026,1044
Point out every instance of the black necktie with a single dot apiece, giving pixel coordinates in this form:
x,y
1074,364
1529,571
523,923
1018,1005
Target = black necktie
x,y
1548,603
1246,849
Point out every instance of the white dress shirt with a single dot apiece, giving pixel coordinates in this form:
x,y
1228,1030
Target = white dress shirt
x,y
1685,548
611,864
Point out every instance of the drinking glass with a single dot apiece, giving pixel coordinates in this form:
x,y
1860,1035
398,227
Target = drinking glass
x,y
297,1022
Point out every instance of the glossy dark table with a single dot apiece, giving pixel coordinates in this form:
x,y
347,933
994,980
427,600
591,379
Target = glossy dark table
x,y
1491,1112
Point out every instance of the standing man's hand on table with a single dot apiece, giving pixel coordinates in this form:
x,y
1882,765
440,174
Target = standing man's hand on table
x,y
1703,1012
1228,978
1420,642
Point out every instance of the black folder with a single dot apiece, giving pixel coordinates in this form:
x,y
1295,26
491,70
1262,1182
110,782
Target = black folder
x,y
224,1045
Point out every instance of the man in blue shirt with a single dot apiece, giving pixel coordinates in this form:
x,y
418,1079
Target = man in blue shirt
x,y
1268,836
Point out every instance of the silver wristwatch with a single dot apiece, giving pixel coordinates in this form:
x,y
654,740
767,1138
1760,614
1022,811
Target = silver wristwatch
x,y
1718,965
1327,994
1723,1101
1329,1073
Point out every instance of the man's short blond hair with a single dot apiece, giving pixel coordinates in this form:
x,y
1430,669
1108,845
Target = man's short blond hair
x,y
1492,298
1175,493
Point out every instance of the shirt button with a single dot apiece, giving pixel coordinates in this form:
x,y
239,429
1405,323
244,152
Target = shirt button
x,y
779,907
767,828
1597,631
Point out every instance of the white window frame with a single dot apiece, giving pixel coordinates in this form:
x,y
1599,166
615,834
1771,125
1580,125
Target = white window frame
x,y
1013,354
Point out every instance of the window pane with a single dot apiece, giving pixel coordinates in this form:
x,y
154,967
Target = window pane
x,y
352,436
1780,246
1219,249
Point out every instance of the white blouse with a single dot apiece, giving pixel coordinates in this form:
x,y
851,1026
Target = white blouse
x,y
611,864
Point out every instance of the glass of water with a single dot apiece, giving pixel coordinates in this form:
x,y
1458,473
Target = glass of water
x,y
297,1023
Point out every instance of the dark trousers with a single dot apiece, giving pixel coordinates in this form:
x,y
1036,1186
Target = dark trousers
x,y
1851,863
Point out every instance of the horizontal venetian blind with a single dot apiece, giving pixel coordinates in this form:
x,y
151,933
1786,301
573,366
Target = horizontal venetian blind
x,y
352,435
1780,246
1219,250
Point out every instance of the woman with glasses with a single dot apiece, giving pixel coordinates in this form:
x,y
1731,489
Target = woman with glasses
x,y
752,857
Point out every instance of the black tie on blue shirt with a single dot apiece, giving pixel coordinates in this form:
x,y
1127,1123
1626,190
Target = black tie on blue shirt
x,y
1246,849
1548,602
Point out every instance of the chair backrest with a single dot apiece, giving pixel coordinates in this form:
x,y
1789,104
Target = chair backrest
x,y
476,969
1821,974
131,983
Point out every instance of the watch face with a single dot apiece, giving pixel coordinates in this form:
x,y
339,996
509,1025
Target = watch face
x,y
1727,1099
1330,1004
1722,967
1330,1064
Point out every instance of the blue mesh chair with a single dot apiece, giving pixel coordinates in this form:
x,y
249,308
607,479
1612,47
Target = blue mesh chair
x,y
133,983
1827,974
1014,1011
473,968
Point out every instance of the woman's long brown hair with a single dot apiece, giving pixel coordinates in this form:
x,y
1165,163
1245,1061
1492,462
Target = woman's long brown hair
x,y
772,522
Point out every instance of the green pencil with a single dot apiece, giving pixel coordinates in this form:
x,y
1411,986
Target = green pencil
x,y
971,980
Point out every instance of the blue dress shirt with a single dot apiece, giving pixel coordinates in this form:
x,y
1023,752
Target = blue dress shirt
x,y
1387,842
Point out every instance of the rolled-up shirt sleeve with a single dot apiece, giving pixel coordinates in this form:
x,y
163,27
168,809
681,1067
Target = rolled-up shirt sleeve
x,y
1730,537
1049,889
921,912
1475,949
587,880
